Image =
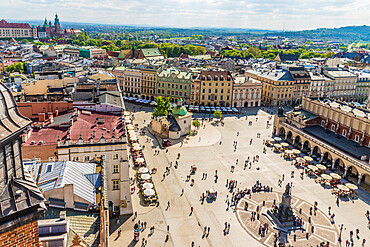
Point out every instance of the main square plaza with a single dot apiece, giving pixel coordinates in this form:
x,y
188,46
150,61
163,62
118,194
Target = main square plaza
x,y
230,159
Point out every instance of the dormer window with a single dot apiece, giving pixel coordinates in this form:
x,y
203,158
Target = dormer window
x,y
216,78
221,78
209,77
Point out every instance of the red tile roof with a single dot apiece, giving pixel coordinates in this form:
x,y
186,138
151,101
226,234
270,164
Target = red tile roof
x,y
5,24
84,126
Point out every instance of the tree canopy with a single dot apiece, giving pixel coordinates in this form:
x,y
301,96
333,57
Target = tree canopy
x,y
163,106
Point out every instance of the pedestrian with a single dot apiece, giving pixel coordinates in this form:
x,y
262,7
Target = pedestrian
x,y
191,210
209,229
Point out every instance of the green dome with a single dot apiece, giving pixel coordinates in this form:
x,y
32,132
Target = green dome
x,y
179,111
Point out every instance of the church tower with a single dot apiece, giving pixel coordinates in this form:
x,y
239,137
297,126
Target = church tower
x,y
56,24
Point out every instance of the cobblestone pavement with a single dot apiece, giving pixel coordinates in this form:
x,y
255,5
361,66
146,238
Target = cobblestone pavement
x,y
219,154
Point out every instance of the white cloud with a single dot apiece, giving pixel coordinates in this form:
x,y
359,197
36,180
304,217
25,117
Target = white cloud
x,y
262,14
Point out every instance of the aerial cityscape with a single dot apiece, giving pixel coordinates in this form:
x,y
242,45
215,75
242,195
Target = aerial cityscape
x,y
196,123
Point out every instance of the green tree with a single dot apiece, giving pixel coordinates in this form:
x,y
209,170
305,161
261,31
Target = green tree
x,y
196,123
163,106
217,114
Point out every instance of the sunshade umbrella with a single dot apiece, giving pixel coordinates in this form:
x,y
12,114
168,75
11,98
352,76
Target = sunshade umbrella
x,y
308,158
136,145
342,187
277,139
133,138
143,170
300,160
296,151
140,160
127,121
312,167
277,145
145,176
335,176
149,192
288,151
126,113
270,140
148,186
326,177
351,186
321,167
130,127
284,144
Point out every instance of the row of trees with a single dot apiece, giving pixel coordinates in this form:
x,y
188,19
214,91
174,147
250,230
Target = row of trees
x,y
254,52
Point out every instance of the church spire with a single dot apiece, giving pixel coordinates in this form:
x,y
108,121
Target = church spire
x,y
56,20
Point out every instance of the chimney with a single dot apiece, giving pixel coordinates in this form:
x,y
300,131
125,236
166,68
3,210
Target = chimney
x,y
41,117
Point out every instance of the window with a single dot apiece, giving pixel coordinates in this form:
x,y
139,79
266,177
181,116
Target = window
x,y
87,158
322,123
115,184
357,138
344,132
115,156
115,168
209,90
332,127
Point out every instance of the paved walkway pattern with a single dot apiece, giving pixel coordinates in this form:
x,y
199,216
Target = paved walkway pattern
x,y
323,229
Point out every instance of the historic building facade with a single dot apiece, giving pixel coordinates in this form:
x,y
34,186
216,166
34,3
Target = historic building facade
x,y
174,83
216,88
247,93
334,134
16,30
148,83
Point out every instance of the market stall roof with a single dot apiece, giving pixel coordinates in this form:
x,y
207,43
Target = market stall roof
x,y
270,140
277,145
288,151
284,144
296,151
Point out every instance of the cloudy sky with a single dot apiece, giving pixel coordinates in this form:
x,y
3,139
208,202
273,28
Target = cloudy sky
x,y
258,14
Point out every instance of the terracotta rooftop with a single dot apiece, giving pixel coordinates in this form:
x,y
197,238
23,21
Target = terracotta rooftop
x,y
84,125
5,24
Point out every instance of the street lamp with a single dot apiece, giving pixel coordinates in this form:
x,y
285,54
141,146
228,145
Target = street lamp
x,y
340,233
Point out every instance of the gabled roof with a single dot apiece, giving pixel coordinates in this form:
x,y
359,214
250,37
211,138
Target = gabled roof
x,y
286,57
55,175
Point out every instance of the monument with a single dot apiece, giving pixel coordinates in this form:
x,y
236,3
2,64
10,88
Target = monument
x,y
283,215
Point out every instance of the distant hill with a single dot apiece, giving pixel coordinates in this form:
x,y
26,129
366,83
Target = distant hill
x,y
350,33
